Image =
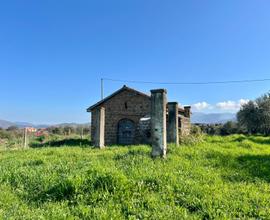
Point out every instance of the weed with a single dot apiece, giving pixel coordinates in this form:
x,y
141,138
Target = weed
x,y
207,177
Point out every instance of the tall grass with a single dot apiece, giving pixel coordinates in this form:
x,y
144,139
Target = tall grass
x,y
220,177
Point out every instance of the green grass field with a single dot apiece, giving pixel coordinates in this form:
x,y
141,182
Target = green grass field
x,y
222,177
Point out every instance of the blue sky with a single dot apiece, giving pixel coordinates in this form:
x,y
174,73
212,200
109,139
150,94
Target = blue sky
x,y
53,53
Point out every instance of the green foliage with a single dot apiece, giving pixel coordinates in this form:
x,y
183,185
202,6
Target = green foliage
x,y
228,128
5,134
192,139
56,130
211,129
255,115
195,130
41,138
248,117
10,139
12,128
218,178
69,130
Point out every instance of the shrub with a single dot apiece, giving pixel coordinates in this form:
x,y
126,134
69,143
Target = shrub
x,y
196,130
5,134
190,139
228,128
41,138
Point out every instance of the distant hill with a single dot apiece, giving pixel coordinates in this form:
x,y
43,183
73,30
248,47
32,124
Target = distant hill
x,y
212,118
72,124
5,124
24,124
197,117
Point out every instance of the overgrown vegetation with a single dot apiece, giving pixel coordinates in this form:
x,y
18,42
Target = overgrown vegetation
x,y
255,115
13,137
227,128
219,177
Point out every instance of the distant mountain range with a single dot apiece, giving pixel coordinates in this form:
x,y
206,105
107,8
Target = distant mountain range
x,y
212,118
5,124
197,117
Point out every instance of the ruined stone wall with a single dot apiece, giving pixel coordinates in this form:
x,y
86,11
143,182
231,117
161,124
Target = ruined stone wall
x,y
125,105
145,129
184,125
134,106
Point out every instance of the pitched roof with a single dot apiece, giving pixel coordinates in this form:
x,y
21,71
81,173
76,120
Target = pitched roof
x,y
124,88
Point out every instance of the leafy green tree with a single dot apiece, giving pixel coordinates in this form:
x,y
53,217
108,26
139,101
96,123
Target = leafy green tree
x,y
255,115
248,117
55,130
68,130
264,113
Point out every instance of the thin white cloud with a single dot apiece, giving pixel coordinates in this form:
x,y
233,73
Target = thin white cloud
x,y
221,106
231,105
201,106
227,105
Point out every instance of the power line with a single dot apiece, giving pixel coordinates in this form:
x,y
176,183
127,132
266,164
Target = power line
x,y
189,83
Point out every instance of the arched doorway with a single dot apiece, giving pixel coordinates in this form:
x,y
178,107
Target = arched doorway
x,y
126,132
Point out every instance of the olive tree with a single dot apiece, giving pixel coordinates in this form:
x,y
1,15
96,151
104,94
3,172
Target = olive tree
x,y
255,115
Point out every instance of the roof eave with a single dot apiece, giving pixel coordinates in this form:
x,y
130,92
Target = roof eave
x,y
112,95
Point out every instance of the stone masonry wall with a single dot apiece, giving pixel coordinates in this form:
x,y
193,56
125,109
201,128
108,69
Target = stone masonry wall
x,y
184,126
125,105
131,105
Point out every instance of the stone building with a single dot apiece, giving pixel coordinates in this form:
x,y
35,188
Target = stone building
x,y
125,115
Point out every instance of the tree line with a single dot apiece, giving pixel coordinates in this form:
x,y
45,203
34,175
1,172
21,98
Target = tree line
x,y
252,118
15,132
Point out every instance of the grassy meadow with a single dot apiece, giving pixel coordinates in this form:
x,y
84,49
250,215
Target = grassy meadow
x,y
219,177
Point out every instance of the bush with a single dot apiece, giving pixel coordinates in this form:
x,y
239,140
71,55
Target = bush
x,y
12,128
228,128
11,134
196,130
41,138
5,134
212,129
191,139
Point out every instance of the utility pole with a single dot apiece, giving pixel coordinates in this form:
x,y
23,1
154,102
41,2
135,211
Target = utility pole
x,y
101,88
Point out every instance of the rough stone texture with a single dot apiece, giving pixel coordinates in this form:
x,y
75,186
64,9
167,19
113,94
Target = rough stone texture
x,y
145,129
184,125
158,122
187,111
125,105
128,103
98,120
172,128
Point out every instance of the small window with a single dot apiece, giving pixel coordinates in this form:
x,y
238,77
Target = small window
x,y
126,105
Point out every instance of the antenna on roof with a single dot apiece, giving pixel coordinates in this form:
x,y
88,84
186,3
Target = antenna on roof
x,y
101,88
